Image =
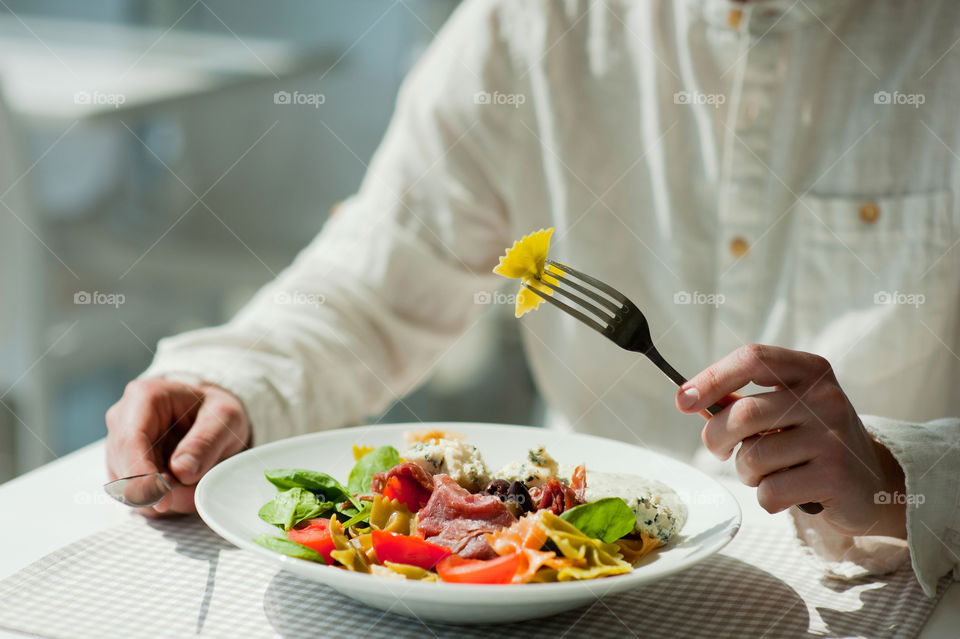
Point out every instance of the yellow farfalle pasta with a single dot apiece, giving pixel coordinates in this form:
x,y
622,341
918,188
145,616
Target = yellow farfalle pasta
x,y
383,571
364,543
632,550
411,572
590,558
360,450
526,261
347,553
391,515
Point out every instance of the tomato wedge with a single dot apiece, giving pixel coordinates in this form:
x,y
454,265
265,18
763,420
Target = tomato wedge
x,y
406,491
314,533
404,549
456,569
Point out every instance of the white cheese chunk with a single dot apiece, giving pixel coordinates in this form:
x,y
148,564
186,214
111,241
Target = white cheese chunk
x,y
659,510
456,458
532,471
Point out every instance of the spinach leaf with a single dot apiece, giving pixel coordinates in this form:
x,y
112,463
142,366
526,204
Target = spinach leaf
x,y
313,481
292,506
363,516
608,519
377,460
287,547
345,512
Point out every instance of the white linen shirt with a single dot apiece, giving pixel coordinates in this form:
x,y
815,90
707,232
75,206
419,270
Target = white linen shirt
x,y
782,172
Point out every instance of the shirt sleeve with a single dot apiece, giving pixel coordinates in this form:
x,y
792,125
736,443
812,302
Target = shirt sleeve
x,y
930,457
391,281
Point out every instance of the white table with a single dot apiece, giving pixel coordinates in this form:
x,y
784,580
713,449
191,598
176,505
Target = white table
x,y
84,509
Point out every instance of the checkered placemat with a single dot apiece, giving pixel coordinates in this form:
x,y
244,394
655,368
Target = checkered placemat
x,y
176,578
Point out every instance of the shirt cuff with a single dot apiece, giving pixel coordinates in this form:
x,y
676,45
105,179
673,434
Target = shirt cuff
x,y
928,455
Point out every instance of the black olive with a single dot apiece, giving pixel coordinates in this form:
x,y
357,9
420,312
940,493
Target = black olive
x,y
518,493
498,487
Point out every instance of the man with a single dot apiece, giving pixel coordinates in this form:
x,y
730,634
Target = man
x,y
763,173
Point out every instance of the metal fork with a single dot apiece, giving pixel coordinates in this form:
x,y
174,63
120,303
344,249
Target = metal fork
x,y
619,320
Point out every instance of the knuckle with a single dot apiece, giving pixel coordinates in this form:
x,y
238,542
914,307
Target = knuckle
x,y
705,437
708,378
747,474
748,463
767,497
224,413
749,454
148,390
709,437
755,353
830,399
112,415
745,411
202,441
820,364
133,387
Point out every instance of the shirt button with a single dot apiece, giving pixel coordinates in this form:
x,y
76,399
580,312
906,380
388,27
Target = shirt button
x,y
739,247
869,212
733,18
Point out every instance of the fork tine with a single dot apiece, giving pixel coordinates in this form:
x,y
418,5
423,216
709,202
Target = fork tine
x,y
601,315
613,307
589,321
606,288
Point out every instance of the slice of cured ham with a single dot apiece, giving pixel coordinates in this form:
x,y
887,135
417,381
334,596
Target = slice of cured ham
x,y
458,520
411,481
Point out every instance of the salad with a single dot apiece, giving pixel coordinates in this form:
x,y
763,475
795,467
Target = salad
x,y
435,512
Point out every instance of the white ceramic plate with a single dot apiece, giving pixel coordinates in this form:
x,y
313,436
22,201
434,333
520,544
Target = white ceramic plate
x,y
230,495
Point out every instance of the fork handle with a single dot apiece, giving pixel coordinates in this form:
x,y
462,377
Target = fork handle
x,y
654,356
811,507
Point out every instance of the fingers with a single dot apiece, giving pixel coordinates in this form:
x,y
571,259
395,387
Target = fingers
x,y
220,430
765,454
750,415
805,483
138,424
159,420
760,364
179,500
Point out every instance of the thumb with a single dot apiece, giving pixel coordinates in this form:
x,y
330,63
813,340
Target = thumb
x,y
213,435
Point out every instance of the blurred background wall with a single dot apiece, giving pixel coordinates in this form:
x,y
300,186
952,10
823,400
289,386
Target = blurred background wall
x,y
162,159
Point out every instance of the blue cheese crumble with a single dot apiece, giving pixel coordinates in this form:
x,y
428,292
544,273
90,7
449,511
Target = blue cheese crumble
x,y
453,457
537,467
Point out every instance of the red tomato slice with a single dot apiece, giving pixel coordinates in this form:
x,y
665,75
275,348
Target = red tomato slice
x,y
501,570
314,533
407,492
404,549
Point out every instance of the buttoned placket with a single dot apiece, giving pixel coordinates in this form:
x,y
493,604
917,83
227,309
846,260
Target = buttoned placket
x,y
742,214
